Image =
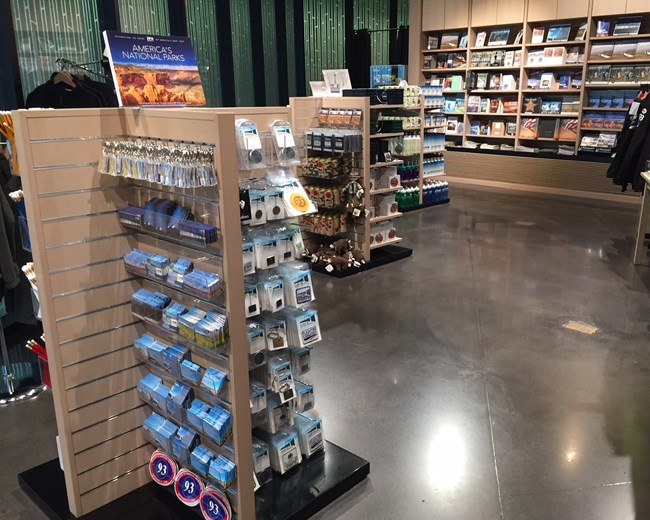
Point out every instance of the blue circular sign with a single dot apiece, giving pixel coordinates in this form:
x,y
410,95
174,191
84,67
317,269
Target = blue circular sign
x,y
215,505
162,468
188,488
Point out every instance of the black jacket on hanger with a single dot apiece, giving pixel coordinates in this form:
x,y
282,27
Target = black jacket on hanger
x,y
9,270
60,95
633,148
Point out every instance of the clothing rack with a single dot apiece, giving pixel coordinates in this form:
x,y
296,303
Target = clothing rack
x,y
66,63
390,29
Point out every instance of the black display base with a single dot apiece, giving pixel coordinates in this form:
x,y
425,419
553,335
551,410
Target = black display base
x,y
422,206
378,257
296,495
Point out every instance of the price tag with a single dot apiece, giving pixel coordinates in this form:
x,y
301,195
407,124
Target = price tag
x,y
162,468
215,505
188,488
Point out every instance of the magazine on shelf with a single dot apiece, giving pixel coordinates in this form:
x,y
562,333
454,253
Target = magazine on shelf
x,y
602,28
601,51
519,37
449,41
627,26
593,120
511,128
480,39
547,128
598,73
538,35
567,129
499,37
528,127
551,107
432,43
622,74
582,32
532,105
642,73
463,42
624,51
643,51
558,33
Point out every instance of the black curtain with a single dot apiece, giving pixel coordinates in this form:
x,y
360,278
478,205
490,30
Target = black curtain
x,y
358,57
399,46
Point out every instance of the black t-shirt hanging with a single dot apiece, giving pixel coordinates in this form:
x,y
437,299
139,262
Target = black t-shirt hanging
x,y
61,95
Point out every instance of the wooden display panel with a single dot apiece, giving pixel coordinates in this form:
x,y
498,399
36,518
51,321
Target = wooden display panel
x,y
510,11
484,13
572,9
608,7
433,15
542,10
637,6
85,290
456,14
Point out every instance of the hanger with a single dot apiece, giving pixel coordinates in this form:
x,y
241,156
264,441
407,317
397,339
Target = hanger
x,y
64,76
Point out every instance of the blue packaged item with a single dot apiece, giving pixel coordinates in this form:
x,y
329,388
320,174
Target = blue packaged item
x,y
171,315
203,233
284,450
152,424
183,443
143,343
137,260
310,434
158,267
201,457
179,397
178,216
191,371
305,398
262,461
159,396
178,270
156,352
196,413
147,386
386,75
188,321
213,380
203,282
222,470
217,424
172,358
165,434
132,216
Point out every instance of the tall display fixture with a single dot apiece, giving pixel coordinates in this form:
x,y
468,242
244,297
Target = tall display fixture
x,y
78,245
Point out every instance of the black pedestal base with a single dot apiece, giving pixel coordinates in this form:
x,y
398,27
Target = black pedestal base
x,y
296,495
382,256
422,206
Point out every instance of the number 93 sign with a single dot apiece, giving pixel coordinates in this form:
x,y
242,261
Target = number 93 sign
x,y
188,488
214,505
162,468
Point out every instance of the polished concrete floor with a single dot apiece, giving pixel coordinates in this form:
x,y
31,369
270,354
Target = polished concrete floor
x,y
453,374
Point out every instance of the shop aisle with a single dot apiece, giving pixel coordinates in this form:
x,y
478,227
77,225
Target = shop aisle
x,y
452,373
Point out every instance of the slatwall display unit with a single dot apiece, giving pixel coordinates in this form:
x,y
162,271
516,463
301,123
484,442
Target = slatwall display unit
x,y
362,232
85,290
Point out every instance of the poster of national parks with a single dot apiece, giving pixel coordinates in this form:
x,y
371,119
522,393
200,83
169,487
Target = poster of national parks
x,y
154,70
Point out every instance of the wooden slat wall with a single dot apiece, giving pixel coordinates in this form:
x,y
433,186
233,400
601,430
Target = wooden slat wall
x,y
78,244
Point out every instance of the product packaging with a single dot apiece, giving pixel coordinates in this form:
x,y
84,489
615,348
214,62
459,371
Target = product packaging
x,y
310,434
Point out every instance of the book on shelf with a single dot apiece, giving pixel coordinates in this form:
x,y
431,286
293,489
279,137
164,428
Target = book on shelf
x,y
598,73
642,73
463,42
535,58
460,105
449,41
480,39
570,105
605,102
602,28
482,80
551,107
509,58
484,105
593,119
452,125
576,80
547,128
559,56
498,128
567,129
622,74
548,56
624,51
517,60
627,26
449,105
428,62
558,33
474,128
618,101
643,50
582,32
499,37
495,81
484,128
496,105
473,103
534,79
528,127
564,82
548,81
614,120
519,37
511,128
532,105
510,106
432,43
601,51
456,60
538,35
572,56
457,83
508,82
593,101
461,127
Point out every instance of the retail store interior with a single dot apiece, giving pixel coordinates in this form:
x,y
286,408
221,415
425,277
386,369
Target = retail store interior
x,y
389,258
